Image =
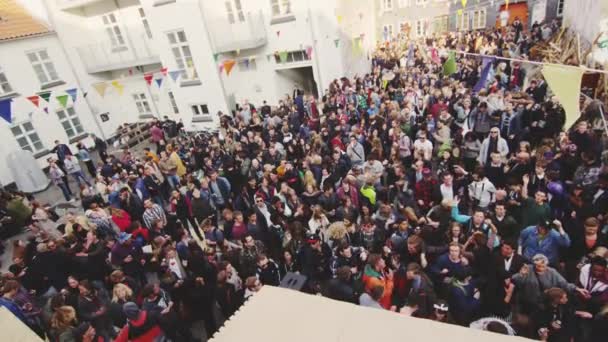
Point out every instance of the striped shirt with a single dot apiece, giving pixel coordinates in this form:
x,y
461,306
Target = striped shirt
x,y
152,214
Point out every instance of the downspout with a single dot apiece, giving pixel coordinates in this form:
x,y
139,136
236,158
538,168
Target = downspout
x,y
313,36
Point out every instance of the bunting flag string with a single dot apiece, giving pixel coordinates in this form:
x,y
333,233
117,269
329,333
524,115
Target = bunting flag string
x,y
100,88
6,111
148,78
159,81
63,100
35,99
119,87
228,65
163,71
174,75
45,95
73,93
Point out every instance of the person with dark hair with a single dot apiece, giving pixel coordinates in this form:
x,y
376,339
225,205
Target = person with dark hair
x,y
268,271
142,326
340,288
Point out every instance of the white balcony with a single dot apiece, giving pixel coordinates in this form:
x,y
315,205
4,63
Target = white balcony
x,y
249,33
73,4
104,56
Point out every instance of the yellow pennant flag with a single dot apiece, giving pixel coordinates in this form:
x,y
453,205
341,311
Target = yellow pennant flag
x,y
340,18
100,88
565,82
459,12
506,4
119,87
464,3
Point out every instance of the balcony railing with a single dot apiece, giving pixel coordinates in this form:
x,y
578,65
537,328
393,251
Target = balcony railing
x,y
239,35
104,56
72,4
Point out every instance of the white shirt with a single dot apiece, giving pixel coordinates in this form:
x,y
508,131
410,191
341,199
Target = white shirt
x,y
447,192
426,148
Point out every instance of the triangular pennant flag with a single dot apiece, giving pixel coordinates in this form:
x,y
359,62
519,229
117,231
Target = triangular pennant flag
x,y
159,82
85,94
100,88
268,57
340,18
216,56
449,67
119,87
221,67
148,78
464,3
6,112
483,78
283,56
238,52
164,71
337,42
278,33
63,100
45,95
506,4
309,52
73,93
246,62
459,12
228,64
174,74
46,110
35,99
565,82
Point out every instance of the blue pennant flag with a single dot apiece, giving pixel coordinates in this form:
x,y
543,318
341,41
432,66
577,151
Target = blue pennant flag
x,y
159,81
483,78
175,74
72,92
6,111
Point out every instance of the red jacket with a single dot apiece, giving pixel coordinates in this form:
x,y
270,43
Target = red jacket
x,y
143,329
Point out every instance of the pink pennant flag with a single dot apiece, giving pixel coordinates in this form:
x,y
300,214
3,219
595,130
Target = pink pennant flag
x,y
148,78
164,71
309,52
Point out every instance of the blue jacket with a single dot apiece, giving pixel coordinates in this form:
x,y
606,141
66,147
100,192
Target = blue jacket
x,y
14,308
549,246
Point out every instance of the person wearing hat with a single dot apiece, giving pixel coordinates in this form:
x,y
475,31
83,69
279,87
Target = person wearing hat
x,y
544,238
141,326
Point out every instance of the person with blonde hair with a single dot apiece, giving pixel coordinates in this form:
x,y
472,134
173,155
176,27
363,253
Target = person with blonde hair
x,y
121,294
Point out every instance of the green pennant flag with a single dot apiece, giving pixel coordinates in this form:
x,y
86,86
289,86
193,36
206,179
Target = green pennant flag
x,y
46,95
283,56
449,67
216,56
63,100
337,42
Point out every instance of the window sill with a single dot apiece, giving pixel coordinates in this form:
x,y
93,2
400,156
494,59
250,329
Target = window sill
x,y
282,19
78,138
120,49
204,118
9,95
146,116
162,2
41,154
52,84
190,83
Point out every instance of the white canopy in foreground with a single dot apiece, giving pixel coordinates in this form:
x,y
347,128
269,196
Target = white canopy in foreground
x,y
13,330
276,314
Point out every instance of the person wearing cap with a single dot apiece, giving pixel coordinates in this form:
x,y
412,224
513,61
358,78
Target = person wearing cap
x,y
142,326
545,238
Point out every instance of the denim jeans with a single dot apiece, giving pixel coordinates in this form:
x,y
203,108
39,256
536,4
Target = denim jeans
x,y
78,175
67,193
173,181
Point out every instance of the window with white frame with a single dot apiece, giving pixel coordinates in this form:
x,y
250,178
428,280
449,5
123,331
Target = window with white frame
x,y
462,21
293,57
440,24
387,5
144,21
173,102
560,8
143,107
43,66
200,110
422,2
26,137
182,54
387,31
113,30
5,87
421,27
404,3
234,11
246,64
479,18
70,121
280,7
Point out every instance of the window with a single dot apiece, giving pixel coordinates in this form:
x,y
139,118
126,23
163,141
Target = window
x,y
387,5
404,3
70,122
231,7
113,30
173,103
280,7
387,32
5,87
200,110
27,137
404,26
293,57
143,107
421,2
183,55
560,8
440,24
421,27
479,18
144,21
246,65
462,21
43,66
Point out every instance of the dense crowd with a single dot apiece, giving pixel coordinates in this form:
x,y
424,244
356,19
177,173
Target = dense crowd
x,y
401,190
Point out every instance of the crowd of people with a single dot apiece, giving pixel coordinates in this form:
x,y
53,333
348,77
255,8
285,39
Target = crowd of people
x,y
401,190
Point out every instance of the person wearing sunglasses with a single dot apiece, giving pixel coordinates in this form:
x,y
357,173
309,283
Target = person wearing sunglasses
x,y
494,143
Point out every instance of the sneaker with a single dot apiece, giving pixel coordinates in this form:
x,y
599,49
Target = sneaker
x,y
72,200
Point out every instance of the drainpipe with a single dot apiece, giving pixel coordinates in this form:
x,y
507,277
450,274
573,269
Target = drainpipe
x,y
72,69
313,36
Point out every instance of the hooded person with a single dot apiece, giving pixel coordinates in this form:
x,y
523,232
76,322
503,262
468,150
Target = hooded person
x,y
141,326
